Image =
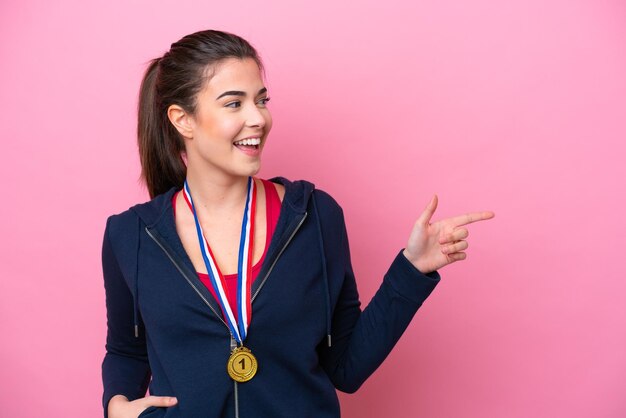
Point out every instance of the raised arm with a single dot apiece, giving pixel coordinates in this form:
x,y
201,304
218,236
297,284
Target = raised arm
x,y
362,340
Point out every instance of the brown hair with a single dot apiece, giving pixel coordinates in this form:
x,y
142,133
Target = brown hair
x,y
177,78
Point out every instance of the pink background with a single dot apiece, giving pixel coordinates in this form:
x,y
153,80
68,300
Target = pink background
x,y
517,107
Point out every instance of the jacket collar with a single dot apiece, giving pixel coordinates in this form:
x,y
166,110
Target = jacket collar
x,y
159,210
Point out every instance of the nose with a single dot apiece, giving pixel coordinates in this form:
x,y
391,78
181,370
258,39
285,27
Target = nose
x,y
255,117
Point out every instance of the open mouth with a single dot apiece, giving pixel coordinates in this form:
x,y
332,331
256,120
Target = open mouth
x,y
248,144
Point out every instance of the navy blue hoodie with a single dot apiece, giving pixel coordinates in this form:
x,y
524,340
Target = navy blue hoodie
x,y
166,332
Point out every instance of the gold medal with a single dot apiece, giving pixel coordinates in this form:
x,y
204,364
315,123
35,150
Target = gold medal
x,y
242,365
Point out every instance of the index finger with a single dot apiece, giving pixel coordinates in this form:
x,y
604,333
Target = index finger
x,y
468,218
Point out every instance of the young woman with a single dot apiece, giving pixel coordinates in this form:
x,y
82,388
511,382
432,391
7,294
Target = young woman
x,y
233,296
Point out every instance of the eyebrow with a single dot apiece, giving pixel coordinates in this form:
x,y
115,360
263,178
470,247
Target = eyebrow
x,y
238,93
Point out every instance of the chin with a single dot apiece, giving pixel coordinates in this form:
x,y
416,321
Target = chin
x,y
251,170
255,171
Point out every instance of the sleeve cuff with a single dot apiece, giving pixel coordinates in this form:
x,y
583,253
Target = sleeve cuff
x,y
408,281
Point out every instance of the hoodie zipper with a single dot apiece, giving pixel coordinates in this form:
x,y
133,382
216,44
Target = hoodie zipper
x,y
278,256
233,344
174,260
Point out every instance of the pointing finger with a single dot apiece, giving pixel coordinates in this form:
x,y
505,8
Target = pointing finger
x,y
468,218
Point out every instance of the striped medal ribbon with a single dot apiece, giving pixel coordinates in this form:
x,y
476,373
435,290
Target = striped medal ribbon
x,y
238,327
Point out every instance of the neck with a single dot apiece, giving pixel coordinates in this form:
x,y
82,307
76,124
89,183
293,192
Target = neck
x,y
213,193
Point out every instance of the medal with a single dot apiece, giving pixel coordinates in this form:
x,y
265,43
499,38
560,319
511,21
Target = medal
x,y
242,365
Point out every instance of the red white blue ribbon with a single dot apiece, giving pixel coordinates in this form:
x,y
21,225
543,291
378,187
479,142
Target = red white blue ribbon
x,y
239,327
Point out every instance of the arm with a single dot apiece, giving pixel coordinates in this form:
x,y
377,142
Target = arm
x,y
362,340
125,368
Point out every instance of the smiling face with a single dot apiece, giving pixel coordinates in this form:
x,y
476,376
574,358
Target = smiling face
x,y
227,133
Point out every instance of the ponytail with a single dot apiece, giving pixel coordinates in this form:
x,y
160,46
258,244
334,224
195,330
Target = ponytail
x,y
177,78
160,146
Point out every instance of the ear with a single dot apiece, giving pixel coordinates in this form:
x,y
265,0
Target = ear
x,y
182,121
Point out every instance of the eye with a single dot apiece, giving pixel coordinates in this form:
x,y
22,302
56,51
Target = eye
x,y
264,101
234,104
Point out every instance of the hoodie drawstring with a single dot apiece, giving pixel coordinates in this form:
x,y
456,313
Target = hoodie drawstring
x,y
324,272
136,292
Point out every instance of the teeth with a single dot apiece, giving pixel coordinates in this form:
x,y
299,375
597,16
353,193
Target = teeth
x,y
250,141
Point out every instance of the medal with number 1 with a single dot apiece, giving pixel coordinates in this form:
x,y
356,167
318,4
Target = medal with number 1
x,y
242,365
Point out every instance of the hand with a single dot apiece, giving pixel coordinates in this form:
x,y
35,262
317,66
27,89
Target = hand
x,y
120,407
432,246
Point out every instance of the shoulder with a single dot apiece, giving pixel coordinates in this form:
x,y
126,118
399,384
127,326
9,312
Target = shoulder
x,y
122,228
324,200
121,222
148,212
122,232
303,195
328,210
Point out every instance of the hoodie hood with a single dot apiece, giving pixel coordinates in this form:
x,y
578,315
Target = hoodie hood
x,y
297,196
